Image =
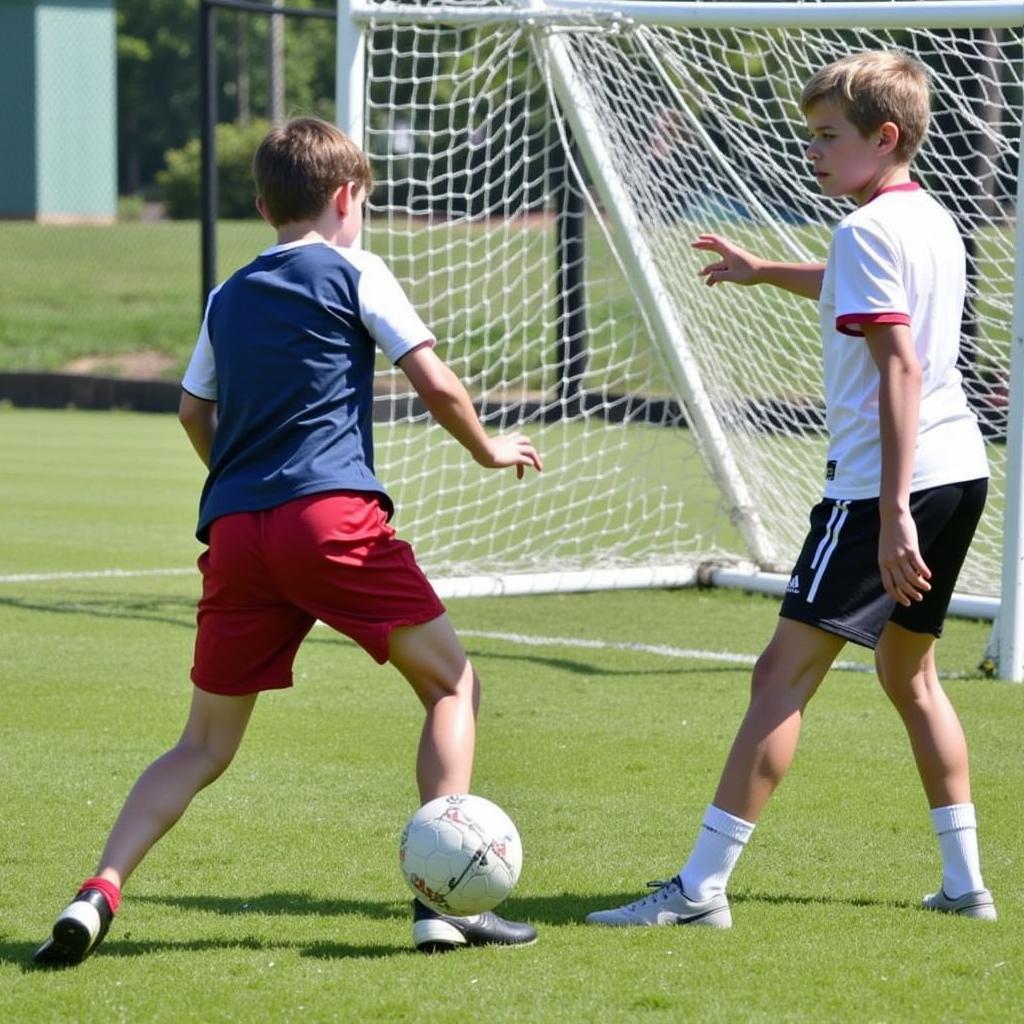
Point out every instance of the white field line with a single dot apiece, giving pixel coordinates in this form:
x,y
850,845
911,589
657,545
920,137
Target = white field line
x,y
519,639
45,577
663,650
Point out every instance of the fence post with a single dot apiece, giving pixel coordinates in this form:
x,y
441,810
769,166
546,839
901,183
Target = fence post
x,y
208,149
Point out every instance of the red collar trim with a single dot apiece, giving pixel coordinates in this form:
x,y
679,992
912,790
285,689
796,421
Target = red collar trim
x,y
903,186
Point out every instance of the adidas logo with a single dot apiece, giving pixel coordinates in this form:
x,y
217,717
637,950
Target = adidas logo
x,y
793,586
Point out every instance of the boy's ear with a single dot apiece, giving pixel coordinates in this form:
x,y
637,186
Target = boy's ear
x,y
344,198
264,213
888,137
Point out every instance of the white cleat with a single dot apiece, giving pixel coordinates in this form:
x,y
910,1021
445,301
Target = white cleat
x,y
667,905
978,904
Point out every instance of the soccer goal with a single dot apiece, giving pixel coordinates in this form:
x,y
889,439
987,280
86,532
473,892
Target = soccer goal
x,y
542,169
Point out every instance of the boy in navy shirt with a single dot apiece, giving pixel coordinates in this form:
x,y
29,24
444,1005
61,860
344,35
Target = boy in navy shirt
x,y
277,401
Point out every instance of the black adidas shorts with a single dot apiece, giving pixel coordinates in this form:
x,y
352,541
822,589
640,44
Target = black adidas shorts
x,y
837,585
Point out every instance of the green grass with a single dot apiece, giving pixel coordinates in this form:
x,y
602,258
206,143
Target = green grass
x,y
125,288
278,897
135,287
426,471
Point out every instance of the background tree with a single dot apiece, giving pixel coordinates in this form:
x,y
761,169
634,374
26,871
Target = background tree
x,y
158,76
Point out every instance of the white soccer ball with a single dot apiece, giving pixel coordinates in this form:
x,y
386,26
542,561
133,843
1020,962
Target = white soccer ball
x,y
460,855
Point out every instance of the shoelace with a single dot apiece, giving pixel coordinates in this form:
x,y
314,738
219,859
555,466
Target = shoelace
x,y
661,887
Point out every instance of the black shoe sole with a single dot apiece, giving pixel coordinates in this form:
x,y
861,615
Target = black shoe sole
x,y
72,940
438,947
68,946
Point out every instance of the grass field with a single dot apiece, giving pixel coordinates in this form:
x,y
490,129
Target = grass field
x,y
605,721
134,287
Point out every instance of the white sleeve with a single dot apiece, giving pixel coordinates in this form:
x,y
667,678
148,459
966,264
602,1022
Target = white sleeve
x,y
869,280
201,375
388,314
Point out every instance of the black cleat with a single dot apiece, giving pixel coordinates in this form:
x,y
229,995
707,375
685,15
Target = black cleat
x,y
438,933
77,932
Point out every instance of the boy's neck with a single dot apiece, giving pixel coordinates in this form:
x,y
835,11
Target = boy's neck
x,y
897,174
303,232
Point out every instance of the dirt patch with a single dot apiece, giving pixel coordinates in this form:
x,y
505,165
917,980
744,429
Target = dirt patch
x,y
145,365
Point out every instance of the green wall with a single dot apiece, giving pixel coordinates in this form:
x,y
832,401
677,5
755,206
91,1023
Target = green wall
x,y
59,115
17,111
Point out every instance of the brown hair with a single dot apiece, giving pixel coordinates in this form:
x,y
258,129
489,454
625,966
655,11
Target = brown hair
x,y
875,87
300,164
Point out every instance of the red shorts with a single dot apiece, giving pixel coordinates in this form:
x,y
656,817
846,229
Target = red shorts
x,y
268,576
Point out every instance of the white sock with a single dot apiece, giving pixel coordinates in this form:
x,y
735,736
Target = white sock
x,y
714,855
957,830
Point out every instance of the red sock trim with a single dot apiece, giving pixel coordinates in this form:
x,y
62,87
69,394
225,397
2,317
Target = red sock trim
x,y
111,891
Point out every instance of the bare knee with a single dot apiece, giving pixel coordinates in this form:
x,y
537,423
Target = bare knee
x,y
907,692
461,683
772,678
905,664
205,760
434,662
792,666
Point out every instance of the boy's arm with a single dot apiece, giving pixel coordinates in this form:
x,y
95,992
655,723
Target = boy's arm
x,y
904,573
199,418
737,266
449,403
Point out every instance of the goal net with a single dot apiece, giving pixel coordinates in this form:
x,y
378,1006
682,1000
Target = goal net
x,y
542,170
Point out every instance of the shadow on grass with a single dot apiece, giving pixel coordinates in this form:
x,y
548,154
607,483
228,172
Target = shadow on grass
x,y
557,910
596,667
171,611
19,954
292,904
848,901
128,948
570,908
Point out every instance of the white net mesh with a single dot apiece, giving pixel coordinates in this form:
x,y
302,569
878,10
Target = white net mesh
x,y
704,135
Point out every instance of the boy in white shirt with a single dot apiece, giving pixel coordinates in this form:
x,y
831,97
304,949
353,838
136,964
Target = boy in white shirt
x,y
905,485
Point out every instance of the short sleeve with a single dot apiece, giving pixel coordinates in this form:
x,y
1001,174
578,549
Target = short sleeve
x,y
869,280
388,314
201,374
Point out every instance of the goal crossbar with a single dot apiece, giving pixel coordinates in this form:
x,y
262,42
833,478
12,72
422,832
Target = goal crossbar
x,y
772,14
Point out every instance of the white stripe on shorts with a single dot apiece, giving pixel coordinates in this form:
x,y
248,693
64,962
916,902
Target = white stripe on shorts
x,y
828,544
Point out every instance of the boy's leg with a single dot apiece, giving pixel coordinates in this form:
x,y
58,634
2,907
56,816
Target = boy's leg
x,y
906,668
212,734
436,666
785,678
211,737
905,662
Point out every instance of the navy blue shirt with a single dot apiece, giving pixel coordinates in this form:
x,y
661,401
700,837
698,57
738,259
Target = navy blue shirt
x,y
287,351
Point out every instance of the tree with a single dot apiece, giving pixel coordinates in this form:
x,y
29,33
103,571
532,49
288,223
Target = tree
x,y
157,82
159,75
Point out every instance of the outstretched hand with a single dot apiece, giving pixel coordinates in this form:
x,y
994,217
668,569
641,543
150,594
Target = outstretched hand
x,y
904,573
736,266
511,450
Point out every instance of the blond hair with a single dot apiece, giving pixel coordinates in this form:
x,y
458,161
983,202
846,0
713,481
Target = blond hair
x,y
300,164
875,87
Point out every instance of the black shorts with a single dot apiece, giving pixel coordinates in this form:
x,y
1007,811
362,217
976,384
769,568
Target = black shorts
x,y
837,585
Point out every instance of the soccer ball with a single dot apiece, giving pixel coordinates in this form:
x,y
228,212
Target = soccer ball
x,y
460,855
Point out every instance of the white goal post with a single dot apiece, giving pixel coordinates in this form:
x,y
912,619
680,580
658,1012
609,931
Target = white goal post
x,y
542,167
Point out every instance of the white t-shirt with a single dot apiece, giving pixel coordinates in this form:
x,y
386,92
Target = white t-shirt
x,y
897,259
